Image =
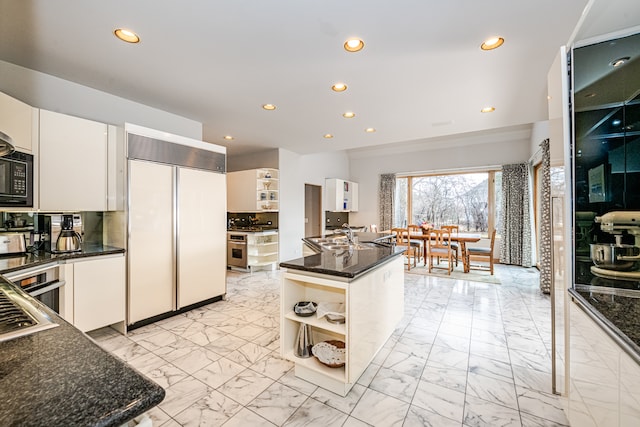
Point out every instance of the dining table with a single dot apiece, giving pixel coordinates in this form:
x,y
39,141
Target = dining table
x,y
461,238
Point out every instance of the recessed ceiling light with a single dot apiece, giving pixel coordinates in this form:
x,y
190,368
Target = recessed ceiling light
x,y
328,136
228,137
339,87
126,35
620,61
269,107
492,43
616,122
590,95
349,115
353,45
370,130
488,110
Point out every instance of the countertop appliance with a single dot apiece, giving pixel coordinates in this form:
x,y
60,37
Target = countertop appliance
x,y
12,243
53,226
237,250
617,261
16,180
68,240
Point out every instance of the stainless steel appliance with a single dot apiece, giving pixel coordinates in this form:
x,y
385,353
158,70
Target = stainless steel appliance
x,y
12,243
53,227
16,180
68,240
19,316
237,250
42,283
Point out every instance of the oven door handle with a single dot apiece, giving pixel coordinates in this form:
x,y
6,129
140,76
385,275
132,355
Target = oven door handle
x,y
46,287
29,272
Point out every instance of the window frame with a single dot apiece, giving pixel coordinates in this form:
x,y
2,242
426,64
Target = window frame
x,y
491,191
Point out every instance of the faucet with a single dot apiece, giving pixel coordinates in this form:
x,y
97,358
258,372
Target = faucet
x,y
348,232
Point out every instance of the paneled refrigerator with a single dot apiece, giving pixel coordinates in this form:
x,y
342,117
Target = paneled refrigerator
x,y
176,227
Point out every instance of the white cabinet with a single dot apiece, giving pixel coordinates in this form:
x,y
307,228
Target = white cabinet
x,y
98,292
253,190
73,163
262,250
341,195
374,305
19,121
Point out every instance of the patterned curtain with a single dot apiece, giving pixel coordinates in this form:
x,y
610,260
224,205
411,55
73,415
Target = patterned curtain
x,y
385,201
516,224
545,220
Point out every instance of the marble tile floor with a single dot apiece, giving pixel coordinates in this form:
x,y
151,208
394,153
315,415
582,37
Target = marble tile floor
x,y
465,354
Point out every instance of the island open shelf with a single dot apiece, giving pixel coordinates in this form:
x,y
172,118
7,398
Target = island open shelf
x,y
374,304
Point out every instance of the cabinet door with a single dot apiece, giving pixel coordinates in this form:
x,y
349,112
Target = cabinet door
x,y
98,292
151,249
201,236
16,120
73,163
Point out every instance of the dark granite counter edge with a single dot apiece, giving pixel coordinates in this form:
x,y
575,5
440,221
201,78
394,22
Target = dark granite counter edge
x,y
347,274
46,258
65,342
607,326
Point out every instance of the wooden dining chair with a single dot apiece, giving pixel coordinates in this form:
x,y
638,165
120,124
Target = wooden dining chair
x,y
401,236
485,254
453,229
439,247
416,243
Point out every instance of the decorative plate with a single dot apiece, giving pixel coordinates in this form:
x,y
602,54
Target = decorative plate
x,y
330,353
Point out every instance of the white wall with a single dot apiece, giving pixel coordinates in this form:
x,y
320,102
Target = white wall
x,y
539,132
461,152
295,172
52,93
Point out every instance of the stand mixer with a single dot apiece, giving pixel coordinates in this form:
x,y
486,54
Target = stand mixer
x,y
617,261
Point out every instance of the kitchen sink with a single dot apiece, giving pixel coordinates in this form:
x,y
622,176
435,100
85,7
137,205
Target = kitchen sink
x,y
337,244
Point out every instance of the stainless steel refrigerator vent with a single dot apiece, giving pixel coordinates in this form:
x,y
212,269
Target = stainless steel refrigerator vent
x,y
155,150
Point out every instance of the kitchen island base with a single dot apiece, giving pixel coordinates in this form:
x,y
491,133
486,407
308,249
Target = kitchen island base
x,y
373,303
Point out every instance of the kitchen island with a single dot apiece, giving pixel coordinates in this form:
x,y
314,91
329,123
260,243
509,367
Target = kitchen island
x,y
368,278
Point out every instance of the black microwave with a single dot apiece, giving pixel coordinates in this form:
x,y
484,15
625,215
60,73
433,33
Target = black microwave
x,y
16,180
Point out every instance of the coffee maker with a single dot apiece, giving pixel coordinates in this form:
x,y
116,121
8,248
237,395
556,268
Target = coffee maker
x,y
62,232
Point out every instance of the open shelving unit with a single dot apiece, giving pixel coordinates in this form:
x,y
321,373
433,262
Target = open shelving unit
x,y
374,304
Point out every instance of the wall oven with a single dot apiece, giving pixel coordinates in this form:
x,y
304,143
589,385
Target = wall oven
x,y
237,250
16,180
42,283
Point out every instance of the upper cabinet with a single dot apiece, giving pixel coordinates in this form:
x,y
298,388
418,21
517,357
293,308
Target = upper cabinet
x,y
18,120
76,156
253,190
341,195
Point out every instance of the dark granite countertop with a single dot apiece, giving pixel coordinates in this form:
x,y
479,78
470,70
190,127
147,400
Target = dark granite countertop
x,y
617,309
60,377
349,264
11,263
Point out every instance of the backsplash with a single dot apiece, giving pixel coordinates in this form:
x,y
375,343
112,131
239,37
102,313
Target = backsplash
x,y
265,219
335,219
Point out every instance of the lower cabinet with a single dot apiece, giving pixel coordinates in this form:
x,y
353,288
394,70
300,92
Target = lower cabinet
x,y
98,291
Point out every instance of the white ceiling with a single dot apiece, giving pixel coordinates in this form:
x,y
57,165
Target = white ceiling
x,y
421,74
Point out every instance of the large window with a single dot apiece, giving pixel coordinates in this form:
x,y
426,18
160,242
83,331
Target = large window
x,y
470,200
